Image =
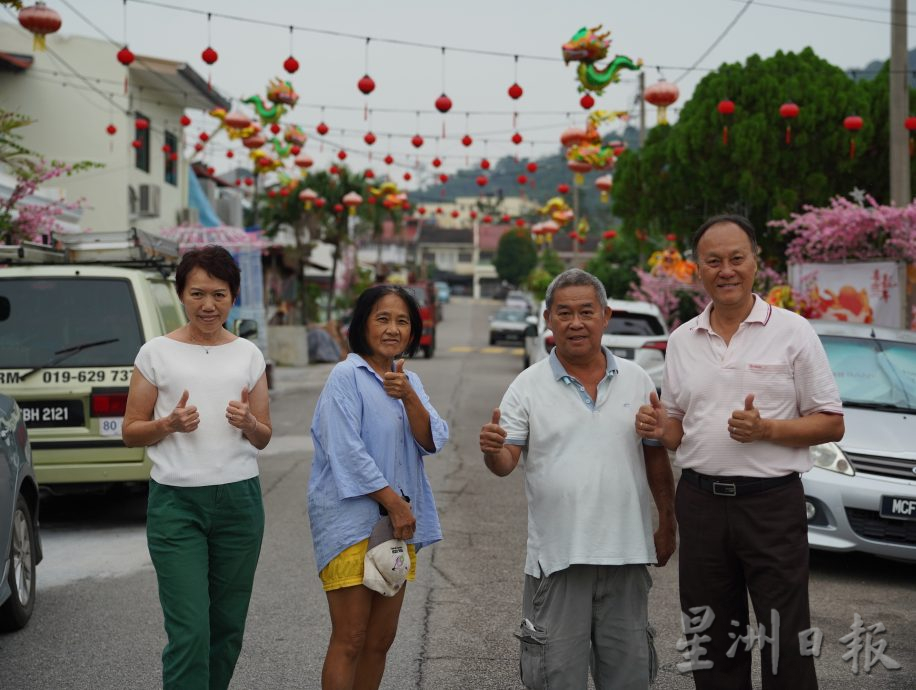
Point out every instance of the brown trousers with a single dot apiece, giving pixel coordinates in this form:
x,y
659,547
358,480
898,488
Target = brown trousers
x,y
734,546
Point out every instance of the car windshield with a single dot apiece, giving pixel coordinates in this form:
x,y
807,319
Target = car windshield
x,y
419,294
871,372
516,315
48,315
629,323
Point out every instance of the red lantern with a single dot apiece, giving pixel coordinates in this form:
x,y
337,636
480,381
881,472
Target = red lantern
x,y
443,104
125,57
136,143
604,185
204,137
272,193
466,140
389,159
111,129
308,196
322,128
454,214
473,215
173,156
185,120
237,120
563,188
853,123
198,147
209,55
505,218
421,210
249,181
417,141
910,124
587,101
295,149
788,111
407,177
40,20
485,164
230,154
338,208
141,124
661,95
333,170
437,163
352,200
609,234
671,237
516,138
725,108
291,64
342,155
522,179
532,167
482,180
515,92
578,166
369,175
320,202
255,141
520,222
275,128
366,84
369,138
443,178
304,161
438,210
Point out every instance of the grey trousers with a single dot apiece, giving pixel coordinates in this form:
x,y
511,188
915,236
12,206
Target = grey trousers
x,y
587,617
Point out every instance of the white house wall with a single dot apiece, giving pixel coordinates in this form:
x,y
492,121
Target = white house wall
x,y
70,121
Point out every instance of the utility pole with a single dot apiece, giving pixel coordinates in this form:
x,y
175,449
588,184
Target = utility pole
x,y
642,107
900,192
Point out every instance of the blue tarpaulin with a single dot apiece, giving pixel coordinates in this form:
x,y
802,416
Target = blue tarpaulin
x,y
197,199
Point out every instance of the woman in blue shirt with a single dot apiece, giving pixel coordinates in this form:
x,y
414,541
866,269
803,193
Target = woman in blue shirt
x,y
372,427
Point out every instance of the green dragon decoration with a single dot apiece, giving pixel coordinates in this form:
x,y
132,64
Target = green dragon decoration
x,y
587,47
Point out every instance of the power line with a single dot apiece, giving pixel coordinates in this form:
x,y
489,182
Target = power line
x,y
826,14
715,43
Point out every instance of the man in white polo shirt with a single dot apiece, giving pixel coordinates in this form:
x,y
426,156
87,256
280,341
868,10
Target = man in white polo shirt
x,y
588,475
747,390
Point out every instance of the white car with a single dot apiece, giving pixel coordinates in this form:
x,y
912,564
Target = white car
x,y
861,493
508,325
637,331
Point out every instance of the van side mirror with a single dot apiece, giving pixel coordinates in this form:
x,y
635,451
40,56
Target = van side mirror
x,y
245,328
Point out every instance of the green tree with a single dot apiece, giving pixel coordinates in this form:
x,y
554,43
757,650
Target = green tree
x,y
685,172
515,256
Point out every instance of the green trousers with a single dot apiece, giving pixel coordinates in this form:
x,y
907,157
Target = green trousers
x,y
204,543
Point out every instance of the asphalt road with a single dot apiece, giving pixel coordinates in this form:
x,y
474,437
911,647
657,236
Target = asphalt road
x,y
97,623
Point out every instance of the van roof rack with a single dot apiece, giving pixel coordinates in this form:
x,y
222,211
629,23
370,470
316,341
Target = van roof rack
x,y
131,248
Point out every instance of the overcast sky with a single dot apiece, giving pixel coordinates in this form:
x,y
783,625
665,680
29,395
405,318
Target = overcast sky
x,y
670,36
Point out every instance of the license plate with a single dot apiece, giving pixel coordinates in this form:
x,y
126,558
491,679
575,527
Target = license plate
x,y
43,414
898,507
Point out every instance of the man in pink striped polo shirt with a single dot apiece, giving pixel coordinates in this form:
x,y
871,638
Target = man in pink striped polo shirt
x,y
747,390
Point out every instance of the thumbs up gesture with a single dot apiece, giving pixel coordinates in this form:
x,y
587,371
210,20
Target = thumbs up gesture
x,y
396,383
239,415
746,425
651,418
492,435
184,418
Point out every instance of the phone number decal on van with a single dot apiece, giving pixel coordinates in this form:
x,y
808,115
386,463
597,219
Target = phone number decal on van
x,y
85,376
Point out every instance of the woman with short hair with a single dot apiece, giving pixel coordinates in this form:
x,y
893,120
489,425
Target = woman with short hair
x,y
198,400
372,427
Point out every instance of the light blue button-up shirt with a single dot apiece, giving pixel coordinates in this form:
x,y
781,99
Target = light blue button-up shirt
x,y
363,443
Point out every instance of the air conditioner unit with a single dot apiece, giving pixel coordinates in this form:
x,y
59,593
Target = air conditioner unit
x,y
188,216
149,201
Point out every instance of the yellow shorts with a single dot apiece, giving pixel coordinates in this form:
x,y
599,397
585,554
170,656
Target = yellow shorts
x,y
346,568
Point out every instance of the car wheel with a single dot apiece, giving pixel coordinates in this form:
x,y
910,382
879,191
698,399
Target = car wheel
x,y
15,613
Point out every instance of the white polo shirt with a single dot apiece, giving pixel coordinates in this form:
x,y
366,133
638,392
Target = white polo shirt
x,y
585,474
774,354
